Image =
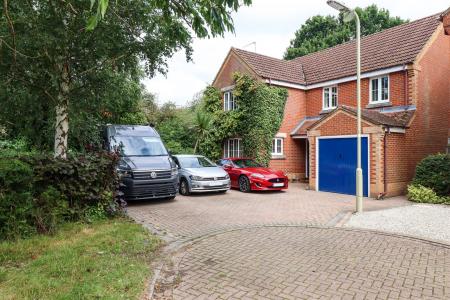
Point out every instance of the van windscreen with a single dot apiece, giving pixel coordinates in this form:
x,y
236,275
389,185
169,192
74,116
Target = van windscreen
x,y
138,146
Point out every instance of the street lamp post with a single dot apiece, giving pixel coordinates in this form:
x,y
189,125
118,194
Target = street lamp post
x,y
349,15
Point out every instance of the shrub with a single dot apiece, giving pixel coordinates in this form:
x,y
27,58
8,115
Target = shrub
x,y
421,194
38,192
434,172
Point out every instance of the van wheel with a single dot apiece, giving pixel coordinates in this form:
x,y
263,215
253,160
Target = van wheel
x,y
184,187
244,184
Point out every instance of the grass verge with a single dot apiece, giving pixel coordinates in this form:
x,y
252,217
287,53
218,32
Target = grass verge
x,y
104,260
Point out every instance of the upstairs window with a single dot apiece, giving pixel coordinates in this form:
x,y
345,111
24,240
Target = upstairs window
x,y
379,89
232,148
228,101
277,146
330,97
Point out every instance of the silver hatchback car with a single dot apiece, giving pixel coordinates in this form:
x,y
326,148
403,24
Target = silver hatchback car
x,y
199,174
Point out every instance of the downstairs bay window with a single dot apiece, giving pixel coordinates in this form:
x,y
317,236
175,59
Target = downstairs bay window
x,y
232,148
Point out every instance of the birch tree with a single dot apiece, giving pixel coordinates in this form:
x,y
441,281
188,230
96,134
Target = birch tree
x,y
49,50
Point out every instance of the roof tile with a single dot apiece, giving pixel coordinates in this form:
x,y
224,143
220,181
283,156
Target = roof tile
x,y
391,47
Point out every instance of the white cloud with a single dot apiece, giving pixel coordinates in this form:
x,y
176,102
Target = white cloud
x,y
271,24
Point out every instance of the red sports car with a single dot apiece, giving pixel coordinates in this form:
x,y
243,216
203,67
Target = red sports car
x,y
247,175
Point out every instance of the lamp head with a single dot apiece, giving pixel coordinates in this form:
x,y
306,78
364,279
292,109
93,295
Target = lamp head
x,y
338,5
349,14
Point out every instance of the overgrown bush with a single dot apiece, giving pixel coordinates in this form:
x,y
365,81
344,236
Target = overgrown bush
x,y
38,192
421,194
434,172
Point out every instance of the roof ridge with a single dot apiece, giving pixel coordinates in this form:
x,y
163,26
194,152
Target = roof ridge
x,y
347,42
408,23
256,53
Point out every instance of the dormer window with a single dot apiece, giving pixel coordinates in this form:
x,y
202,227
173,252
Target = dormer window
x,y
379,89
228,101
330,97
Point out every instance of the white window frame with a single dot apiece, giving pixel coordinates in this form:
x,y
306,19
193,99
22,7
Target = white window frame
x,y
276,141
380,89
229,102
328,106
232,148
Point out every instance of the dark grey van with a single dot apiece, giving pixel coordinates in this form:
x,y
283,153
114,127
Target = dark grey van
x,y
145,167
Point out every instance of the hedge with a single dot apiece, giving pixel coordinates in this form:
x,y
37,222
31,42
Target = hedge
x,y
434,172
38,192
431,183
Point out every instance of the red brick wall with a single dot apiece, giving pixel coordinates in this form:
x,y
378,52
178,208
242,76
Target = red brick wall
x,y
293,162
341,124
429,129
294,150
347,94
231,65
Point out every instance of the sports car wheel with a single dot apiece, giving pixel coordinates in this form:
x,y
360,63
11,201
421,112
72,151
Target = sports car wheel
x,y
184,187
244,184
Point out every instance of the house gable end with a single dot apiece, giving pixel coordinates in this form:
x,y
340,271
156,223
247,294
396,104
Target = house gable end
x,y
232,64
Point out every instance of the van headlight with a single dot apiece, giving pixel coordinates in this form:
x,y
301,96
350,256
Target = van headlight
x,y
124,173
174,171
227,176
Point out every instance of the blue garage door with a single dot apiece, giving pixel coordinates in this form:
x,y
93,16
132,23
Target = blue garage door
x,y
337,165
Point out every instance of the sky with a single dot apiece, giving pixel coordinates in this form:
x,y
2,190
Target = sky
x,y
271,25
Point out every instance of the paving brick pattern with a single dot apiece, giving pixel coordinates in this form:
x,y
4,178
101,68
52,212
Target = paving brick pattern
x,y
199,214
312,263
283,246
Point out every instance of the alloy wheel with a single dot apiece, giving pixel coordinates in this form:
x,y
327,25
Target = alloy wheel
x,y
184,188
244,184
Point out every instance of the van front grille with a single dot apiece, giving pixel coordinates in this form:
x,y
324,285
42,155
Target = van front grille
x,y
150,175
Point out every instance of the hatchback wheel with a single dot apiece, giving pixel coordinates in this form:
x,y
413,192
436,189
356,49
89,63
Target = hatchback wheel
x,y
244,184
184,187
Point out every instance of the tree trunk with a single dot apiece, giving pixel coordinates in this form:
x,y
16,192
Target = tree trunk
x,y
62,116
195,147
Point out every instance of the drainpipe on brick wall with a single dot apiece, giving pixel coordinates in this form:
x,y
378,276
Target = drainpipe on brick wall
x,y
406,85
385,163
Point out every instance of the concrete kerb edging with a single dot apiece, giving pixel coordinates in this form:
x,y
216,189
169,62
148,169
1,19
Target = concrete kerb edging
x,y
175,246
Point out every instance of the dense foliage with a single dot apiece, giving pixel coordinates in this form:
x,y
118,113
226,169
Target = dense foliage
x,y
321,32
419,193
38,192
434,172
51,66
175,127
256,120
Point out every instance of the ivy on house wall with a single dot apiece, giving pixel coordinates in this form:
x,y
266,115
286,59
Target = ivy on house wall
x,y
256,121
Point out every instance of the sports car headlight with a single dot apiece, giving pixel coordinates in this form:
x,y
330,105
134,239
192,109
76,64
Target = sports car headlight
x,y
257,175
196,178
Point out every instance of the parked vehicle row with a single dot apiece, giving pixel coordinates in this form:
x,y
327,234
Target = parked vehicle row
x,y
148,171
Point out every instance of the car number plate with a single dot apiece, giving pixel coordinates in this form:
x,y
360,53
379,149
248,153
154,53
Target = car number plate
x,y
215,183
278,184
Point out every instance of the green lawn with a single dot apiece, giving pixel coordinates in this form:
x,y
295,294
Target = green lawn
x,y
105,260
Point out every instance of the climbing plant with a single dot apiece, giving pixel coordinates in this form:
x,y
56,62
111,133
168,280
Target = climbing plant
x,y
256,120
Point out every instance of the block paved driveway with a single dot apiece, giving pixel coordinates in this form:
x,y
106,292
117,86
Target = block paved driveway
x,y
286,245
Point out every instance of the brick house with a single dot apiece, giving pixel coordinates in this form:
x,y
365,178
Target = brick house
x,y
405,98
